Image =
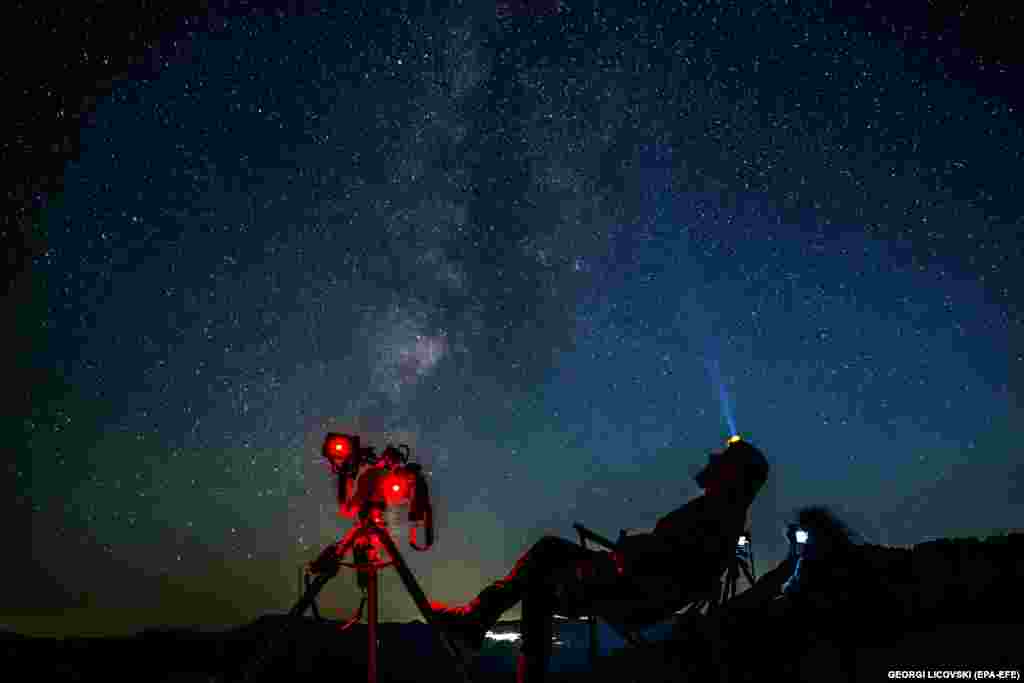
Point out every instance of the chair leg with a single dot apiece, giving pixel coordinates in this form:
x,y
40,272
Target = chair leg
x,y
538,629
594,642
531,668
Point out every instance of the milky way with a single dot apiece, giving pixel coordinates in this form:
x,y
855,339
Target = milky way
x,y
515,244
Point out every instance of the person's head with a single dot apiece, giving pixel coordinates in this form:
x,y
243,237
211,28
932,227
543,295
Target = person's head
x,y
825,529
739,470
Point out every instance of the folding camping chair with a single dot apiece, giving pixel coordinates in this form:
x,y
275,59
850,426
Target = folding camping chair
x,y
720,587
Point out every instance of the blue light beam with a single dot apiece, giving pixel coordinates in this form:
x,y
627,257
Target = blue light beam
x,y
715,373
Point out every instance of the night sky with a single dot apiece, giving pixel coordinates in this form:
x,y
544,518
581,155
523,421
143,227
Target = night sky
x,y
554,254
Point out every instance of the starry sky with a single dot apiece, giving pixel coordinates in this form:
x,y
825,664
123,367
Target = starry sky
x,y
557,252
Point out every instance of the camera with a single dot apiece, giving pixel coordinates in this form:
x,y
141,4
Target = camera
x,y
369,483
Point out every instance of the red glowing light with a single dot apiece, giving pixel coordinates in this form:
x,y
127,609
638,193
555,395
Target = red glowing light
x,y
338,448
395,488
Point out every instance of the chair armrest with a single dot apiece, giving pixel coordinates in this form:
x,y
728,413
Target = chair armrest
x,y
588,535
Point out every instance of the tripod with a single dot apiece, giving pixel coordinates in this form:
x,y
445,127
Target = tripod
x,y
366,539
744,563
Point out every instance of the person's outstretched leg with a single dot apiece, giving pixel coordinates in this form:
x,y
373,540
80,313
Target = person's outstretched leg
x,y
548,562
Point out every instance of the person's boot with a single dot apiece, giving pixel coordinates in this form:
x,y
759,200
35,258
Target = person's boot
x,y
467,624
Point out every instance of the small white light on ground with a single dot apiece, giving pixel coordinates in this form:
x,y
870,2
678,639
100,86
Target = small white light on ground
x,y
510,637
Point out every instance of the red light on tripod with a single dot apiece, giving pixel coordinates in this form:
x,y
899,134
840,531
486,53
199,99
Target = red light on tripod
x,y
395,488
339,447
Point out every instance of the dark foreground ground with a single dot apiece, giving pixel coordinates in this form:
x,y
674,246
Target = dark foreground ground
x,y
409,653
945,611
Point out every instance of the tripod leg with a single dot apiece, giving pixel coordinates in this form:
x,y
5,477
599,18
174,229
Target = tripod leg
x,y
316,610
728,585
309,598
731,579
747,573
371,622
413,587
326,567
268,642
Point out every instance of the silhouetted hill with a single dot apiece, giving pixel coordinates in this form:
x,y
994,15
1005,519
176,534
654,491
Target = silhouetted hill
x,y
408,653
944,604
11,635
939,605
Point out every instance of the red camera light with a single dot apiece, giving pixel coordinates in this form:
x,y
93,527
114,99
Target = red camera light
x,y
340,447
395,488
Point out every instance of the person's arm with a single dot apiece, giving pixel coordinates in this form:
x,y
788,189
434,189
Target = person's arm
x,y
793,583
682,521
766,588
645,554
647,543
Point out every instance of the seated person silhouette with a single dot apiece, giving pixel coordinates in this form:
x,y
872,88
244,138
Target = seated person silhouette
x,y
820,592
645,580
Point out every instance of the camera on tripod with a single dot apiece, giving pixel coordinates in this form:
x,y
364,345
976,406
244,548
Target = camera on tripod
x,y
369,483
